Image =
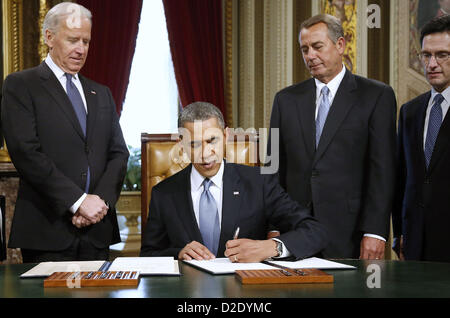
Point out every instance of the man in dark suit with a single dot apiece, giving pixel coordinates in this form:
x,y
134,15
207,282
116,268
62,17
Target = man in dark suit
x,y
421,213
2,229
337,144
194,214
64,138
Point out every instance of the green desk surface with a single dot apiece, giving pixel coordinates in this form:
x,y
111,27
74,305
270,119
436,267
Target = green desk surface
x,y
371,279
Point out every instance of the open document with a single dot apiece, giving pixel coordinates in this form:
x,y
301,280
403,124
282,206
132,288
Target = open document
x,y
144,265
225,266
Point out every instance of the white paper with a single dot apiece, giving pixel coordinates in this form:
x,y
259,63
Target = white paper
x,y
225,266
314,262
146,265
47,268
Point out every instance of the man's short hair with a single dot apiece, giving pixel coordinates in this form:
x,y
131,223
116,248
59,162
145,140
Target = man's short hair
x,y
436,25
335,30
54,16
200,111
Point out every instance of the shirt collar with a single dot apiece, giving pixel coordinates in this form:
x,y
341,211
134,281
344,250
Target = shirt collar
x,y
445,94
59,73
197,179
333,85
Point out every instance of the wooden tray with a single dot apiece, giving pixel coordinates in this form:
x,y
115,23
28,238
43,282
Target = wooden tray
x,y
280,276
88,279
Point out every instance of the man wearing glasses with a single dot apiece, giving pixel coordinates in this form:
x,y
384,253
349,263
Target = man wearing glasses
x,y
421,214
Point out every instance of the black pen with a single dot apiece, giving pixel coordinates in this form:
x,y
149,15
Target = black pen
x,y
297,271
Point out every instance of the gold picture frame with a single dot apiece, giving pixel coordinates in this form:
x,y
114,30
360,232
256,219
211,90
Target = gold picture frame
x,y
12,38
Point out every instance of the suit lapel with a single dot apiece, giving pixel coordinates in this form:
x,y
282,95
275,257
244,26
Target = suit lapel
x,y
56,91
343,101
92,106
419,131
306,107
231,201
183,203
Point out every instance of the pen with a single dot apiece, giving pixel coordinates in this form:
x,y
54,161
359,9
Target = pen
x,y
297,271
235,236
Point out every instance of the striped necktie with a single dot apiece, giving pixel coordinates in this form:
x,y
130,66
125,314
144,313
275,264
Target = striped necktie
x,y
322,114
209,218
434,124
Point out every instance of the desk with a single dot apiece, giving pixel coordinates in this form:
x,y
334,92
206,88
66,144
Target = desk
x,y
396,279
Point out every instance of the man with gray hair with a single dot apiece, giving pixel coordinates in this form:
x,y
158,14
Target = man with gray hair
x,y
337,144
64,138
215,208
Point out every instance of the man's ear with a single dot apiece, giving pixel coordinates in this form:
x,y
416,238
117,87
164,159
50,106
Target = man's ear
x,y
340,45
226,134
49,36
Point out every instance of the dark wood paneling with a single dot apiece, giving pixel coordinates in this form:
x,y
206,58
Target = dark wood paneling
x,y
302,11
378,45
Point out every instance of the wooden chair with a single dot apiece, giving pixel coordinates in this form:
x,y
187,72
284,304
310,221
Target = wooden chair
x,y
162,156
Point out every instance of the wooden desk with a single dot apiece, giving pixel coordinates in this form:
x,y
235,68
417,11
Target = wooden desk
x,y
396,280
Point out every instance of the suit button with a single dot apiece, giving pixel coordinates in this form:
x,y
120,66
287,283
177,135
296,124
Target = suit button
x,y
86,149
427,181
422,205
314,173
84,175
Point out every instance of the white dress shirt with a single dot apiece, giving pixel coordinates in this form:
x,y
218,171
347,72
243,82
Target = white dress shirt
x,y
216,190
444,105
60,75
333,86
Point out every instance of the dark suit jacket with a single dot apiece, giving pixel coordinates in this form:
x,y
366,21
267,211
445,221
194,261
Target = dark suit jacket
x,y
2,229
172,224
51,154
349,180
422,203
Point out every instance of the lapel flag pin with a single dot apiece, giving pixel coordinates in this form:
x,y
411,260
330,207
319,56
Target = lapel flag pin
x,y
235,192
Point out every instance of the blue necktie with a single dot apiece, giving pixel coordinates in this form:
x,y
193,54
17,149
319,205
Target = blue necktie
x,y
77,102
209,219
80,111
324,107
434,124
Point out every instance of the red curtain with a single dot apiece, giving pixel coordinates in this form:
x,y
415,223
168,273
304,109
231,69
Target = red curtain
x,y
195,36
115,25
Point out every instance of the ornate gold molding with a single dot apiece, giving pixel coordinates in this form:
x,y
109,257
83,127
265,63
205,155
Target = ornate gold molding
x,y
347,13
12,36
42,47
229,62
12,42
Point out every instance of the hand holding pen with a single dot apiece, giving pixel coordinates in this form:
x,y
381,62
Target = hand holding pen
x,y
249,251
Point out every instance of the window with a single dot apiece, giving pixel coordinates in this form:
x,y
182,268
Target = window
x,y
151,102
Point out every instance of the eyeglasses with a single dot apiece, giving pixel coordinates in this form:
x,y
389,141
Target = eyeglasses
x,y
440,57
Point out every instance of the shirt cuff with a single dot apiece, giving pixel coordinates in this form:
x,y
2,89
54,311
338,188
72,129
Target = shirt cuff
x,y
76,205
285,253
375,236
